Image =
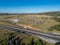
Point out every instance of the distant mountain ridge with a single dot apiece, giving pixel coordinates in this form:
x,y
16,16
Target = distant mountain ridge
x,y
45,13
52,13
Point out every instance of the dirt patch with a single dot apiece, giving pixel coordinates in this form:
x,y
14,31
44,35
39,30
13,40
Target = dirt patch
x,y
27,26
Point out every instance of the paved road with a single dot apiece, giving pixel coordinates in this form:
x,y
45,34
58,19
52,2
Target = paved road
x,y
51,38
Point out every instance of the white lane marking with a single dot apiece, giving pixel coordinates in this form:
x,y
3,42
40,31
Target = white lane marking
x,y
49,40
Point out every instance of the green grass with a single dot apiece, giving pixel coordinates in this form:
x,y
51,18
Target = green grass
x,y
55,27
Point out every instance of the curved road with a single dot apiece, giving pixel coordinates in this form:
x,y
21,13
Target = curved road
x,y
51,38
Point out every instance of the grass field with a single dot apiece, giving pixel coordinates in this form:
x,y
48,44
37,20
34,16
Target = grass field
x,y
41,22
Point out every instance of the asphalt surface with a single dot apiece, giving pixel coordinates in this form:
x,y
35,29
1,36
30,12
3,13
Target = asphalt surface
x,y
49,37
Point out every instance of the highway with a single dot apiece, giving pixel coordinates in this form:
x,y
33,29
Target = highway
x,y
49,37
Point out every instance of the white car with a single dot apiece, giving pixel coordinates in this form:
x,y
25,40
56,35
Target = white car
x,y
25,27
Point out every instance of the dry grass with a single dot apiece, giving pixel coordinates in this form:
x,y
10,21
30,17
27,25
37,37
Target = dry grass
x,y
28,19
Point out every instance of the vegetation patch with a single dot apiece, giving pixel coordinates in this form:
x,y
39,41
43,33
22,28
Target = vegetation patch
x,y
57,19
55,27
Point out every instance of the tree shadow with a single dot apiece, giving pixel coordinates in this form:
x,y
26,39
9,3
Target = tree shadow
x,y
58,43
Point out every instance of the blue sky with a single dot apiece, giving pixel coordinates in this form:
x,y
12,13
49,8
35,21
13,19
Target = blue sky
x,y
29,6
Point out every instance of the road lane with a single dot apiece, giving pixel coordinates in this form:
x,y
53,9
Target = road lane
x,y
47,38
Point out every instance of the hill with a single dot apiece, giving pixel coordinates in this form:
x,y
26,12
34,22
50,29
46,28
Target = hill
x,y
44,13
52,13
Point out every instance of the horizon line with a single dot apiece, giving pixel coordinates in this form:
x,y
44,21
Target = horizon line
x,y
25,13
